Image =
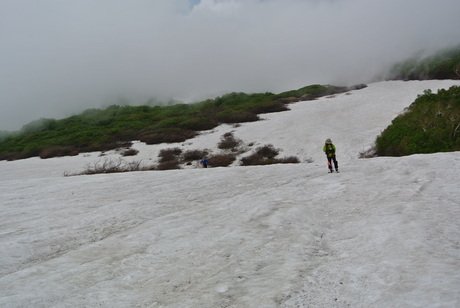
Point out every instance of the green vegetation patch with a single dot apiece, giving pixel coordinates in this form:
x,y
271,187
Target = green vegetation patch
x,y
101,130
430,124
444,64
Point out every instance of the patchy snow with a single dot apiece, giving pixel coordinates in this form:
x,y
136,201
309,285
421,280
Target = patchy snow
x,y
385,232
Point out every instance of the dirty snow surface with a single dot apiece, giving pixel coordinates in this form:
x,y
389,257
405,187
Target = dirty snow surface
x,y
385,232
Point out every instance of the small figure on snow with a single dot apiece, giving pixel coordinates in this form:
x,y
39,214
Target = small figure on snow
x,y
329,150
204,162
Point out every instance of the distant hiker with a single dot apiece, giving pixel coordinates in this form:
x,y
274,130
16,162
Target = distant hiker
x,y
204,162
329,150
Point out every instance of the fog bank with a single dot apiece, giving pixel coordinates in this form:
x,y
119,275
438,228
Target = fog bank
x,y
59,58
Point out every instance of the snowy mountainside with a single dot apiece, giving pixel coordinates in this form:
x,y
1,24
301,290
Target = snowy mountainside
x,y
382,233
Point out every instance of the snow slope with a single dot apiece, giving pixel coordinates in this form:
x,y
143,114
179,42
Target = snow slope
x,y
382,233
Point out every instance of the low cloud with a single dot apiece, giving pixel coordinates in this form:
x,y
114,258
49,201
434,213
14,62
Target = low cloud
x,y
61,57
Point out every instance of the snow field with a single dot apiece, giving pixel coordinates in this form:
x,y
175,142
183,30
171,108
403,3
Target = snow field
x,y
382,233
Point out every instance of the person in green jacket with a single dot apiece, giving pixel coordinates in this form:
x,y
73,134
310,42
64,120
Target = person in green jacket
x,y
329,150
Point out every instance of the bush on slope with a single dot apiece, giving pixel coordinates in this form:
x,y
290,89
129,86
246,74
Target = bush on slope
x,y
444,64
430,124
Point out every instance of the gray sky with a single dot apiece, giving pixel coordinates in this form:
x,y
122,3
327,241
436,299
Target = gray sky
x,y
60,57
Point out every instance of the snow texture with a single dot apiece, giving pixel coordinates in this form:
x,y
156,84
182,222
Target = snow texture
x,y
382,233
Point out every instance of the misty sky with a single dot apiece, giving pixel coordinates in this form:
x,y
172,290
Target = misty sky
x,y
60,57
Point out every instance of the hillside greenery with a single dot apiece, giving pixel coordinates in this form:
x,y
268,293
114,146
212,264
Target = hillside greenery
x,y
430,124
444,64
116,126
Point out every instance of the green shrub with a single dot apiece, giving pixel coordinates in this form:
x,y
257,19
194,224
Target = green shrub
x,y
198,124
39,125
169,122
104,146
444,64
268,107
237,116
32,149
314,91
430,124
4,135
167,136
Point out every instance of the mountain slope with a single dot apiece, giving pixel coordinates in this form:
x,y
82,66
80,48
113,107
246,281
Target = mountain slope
x,y
384,232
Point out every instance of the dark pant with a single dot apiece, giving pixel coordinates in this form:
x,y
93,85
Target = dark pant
x,y
331,160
